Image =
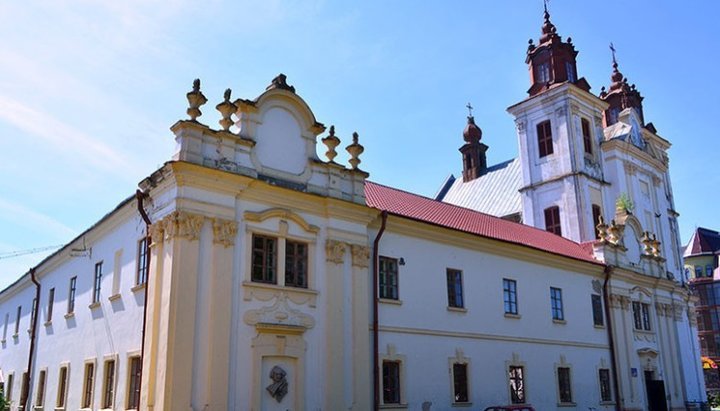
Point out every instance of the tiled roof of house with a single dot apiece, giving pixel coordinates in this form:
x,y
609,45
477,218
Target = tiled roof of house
x,y
413,206
496,192
702,241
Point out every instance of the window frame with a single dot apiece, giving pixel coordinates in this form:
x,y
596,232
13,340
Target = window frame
x,y
641,316
542,72
72,291
383,274
50,306
87,399
268,272
510,300
587,136
133,383
396,398
9,386
41,388
17,321
544,138
597,310
518,395
109,383
553,222
570,71
296,262
596,214
605,385
62,394
556,304
142,268
455,292
455,382
561,380
97,282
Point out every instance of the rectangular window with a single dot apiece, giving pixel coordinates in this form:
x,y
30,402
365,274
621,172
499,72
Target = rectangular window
x,y
556,303
62,387
544,134
264,259
97,283
9,387
605,393
596,213
5,327
71,295
17,320
565,390
40,396
698,271
88,382
517,385
109,384
597,310
587,137
23,386
641,316
134,370
141,273
33,308
296,264
570,70
51,302
709,270
542,73
510,296
391,382
552,220
454,288
388,278
460,383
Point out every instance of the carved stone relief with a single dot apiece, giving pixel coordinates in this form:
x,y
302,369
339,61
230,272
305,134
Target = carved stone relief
x,y
360,255
279,387
279,313
224,232
335,251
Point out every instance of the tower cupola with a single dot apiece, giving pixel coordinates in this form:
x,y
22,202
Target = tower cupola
x,y
552,61
620,96
473,151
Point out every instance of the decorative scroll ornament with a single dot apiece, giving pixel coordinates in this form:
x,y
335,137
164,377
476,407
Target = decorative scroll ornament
x,y
196,99
331,142
279,387
360,255
279,313
280,82
355,149
226,109
224,232
335,251
189,225
602,230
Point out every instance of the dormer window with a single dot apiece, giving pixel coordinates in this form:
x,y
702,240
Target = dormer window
x,y
544,132
542,73
587,137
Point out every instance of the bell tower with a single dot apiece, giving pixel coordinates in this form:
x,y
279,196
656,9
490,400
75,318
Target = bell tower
x,y
620,96
473,151
559,130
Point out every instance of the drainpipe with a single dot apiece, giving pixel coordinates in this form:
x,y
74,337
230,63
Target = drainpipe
x,y
140,195
376,264
24,397
611,340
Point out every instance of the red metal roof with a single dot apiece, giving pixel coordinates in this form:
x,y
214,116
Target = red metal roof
x,y
703,241
427,210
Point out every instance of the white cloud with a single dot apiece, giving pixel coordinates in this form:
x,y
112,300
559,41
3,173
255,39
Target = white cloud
x,y
25,217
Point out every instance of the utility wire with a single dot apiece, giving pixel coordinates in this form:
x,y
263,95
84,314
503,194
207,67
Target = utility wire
x,y
18,253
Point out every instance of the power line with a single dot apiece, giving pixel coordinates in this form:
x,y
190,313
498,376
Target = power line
x,y
18,253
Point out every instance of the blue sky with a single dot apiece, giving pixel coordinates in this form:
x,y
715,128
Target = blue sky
x,y
89,89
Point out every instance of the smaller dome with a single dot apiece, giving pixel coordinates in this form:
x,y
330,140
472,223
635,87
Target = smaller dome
x,y
472,133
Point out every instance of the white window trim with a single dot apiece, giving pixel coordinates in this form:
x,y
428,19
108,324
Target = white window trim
x,y
92,361
67,386
116,275
36,391
604,365
564,364
392,355
460,358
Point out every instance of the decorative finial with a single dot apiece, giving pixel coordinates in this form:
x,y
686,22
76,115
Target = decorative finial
x,y
470,109
195,99
280,81
226,109
331,142
355,149
545,6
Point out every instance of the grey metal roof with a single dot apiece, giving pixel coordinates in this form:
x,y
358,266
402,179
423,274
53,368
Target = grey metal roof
x,y
496,192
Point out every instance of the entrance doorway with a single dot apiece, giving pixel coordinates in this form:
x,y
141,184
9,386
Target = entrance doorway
x,y
655,393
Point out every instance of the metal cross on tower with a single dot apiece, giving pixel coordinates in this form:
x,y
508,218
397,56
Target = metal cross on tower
x,y
612,49
470,108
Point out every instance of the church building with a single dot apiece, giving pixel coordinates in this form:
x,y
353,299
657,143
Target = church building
x,y
250,273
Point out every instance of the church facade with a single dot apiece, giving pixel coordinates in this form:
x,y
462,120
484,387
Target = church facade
x,y
247,273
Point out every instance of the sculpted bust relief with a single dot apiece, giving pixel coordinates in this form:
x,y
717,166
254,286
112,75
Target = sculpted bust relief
x,y
279,387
